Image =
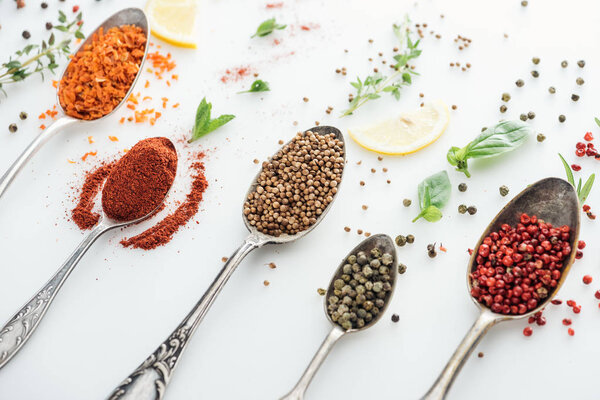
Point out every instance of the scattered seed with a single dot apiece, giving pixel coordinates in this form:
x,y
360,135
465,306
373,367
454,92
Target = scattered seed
x,y
462,187
49,25
581,63
362,183
305,99
523,117
561,118
535,60
395,318
472,210
266,282
531,115
26,34
407,202
574,97
454,106
505,97
519,83
462,208
256,161
23,115
401,268
480,354
224,259
541,137
410,239
400,240
503,190
579,81
431,250
524,3
364,207
347,228
564,63
44,5
552,90
535,74
12,128
321,291
503,108
359,231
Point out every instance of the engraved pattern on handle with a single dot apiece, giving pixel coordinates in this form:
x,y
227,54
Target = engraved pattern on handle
x,y
150,379
22,325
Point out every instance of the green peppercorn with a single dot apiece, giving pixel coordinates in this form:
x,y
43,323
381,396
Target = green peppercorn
x,y
535,74
400,240
321,291
401,268
503,190
23,115
462,187
410,238
535,60
531,115
579,81
581,63
472,210
462,209
552,89
541,137
12,128
562,118
523,117
574,97
505,97
406,202
519,83
503,108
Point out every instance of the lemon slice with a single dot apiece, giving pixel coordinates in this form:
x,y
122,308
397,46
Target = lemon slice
x,y
173,21
407,133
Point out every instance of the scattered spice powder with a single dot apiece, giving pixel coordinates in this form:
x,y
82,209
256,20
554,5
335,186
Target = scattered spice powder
x,y
99,75
82,214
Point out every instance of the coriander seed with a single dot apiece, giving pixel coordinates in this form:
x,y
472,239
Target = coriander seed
x,y
49,25
531,115
462,209
552,90
535,74
462,187
523,117
503,108
503,190
401,268
407,202
564,63
400,240
26,34
524,3
321,291
472,210
12,128
579,81
519,83
541,137
23,115
581,63
535,60
505,97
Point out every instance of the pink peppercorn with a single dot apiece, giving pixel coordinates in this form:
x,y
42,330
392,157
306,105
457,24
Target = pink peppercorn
x,y
571,332
75,9
587,279
588,136
576,167
527,331
597,294
566,321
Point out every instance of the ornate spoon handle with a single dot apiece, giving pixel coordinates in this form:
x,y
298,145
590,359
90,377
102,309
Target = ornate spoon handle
x,y
33,147
22,325
150,379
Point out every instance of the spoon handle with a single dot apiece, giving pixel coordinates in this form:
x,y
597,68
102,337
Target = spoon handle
x,y
22,325
297,392
442,385
149,381
33,147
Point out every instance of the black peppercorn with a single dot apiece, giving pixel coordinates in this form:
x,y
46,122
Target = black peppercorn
x,y
462,187
44,5
26,34
574,97
395,318
561,118
49,25
472,210
535,74
581,63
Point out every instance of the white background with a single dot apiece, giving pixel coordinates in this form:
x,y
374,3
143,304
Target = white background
x,y
119,304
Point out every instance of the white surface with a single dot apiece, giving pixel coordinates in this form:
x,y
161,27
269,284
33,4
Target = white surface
x,y
119,304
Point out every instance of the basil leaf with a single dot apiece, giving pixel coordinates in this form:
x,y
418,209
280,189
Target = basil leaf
x,y
257,86
267,27
499,139
203,124
438,187
585,191
567,170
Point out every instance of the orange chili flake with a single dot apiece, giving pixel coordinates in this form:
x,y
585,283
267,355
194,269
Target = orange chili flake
x,y
152,121
147,84
42,126
70,161
90,139
131,106
113,138
175,105
133,98
147,98
89,153
157,115
101,73
175,77
442,248
54,84
168,83
42,116
122,120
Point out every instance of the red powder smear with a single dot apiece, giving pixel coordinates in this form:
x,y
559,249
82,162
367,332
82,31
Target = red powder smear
x,y
275,5
82,214
304,28
235,74
163,232
276,42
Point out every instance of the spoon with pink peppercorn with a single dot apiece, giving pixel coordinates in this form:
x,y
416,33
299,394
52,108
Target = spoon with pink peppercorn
x,y
518,264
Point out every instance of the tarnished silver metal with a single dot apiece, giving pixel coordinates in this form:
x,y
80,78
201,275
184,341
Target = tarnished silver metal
x,y
385,243
150,379
552,199
129,16
24,322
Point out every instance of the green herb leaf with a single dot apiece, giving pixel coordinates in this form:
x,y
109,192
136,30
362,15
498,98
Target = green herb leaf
x,y
79,35
62,18
597,121
434,193
585,191
257,86
267,27
567,170
501,138
203,124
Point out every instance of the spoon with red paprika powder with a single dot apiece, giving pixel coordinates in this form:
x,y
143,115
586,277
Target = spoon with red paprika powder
x,y
548,201
134,190
307,171
95,83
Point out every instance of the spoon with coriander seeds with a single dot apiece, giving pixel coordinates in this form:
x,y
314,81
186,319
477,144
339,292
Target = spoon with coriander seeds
x,y
90,90
135,188
519,264
358,295
287,199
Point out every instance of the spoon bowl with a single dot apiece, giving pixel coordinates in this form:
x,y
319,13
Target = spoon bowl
x,y
127,16
386,245
24,322
553,200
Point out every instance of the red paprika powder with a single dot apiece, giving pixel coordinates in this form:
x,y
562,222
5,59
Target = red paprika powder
x,y
140,180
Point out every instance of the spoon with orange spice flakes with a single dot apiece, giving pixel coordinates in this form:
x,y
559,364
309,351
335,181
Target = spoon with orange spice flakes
x,y
97,80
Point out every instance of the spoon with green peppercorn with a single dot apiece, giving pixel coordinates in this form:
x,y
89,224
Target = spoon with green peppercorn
x,y
553,200
358,295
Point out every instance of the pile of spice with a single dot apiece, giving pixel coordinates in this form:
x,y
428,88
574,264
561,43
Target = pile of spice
x,y
518,267
162,231
296,185
362,289
139,182
99,75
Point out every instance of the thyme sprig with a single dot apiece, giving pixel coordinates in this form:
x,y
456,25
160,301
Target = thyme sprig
x,y
373,85
43,56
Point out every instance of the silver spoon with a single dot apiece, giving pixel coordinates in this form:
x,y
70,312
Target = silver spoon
x,y
552,199
127,16
149,381
21,326
383,242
